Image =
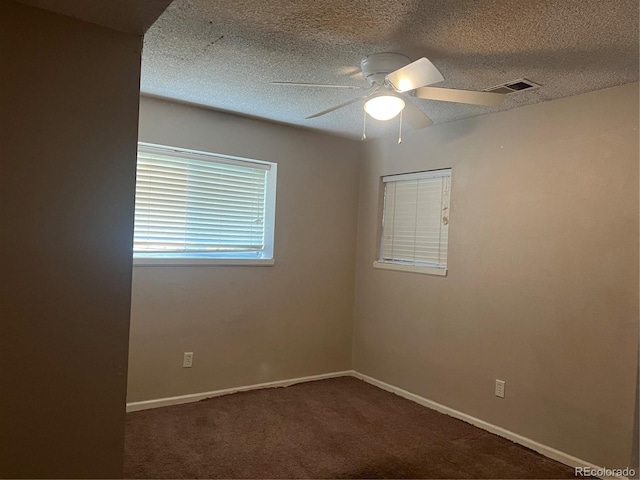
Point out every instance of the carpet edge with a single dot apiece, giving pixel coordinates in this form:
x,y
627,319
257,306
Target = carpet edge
x,y
196,397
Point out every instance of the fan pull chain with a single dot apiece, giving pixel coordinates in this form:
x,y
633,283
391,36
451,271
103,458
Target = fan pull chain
x,y
400,131
364,125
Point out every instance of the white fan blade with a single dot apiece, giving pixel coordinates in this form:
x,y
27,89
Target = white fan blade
x,y
322,85
489,99
415,117
329,110
417,74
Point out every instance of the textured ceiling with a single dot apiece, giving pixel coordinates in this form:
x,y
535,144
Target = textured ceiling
x,y
224,53
132,16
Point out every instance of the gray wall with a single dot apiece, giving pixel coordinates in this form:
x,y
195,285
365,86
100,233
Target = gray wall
x,y
542,290
69,112
249,325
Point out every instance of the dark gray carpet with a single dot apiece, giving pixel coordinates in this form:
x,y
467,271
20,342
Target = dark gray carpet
x,y
337,428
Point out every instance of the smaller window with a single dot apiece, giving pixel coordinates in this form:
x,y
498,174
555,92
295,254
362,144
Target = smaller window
x,y
415,222
198,208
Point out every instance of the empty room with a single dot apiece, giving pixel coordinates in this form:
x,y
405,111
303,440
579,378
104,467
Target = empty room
x,y
302,239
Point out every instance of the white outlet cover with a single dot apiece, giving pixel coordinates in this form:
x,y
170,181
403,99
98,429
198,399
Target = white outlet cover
x,y
187,360
500,385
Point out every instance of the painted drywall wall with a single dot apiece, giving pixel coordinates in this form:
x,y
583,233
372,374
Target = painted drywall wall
x,y
69,112
542,288
248,325
635,444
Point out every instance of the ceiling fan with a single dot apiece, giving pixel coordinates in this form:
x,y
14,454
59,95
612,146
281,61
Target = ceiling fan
x,y
394,81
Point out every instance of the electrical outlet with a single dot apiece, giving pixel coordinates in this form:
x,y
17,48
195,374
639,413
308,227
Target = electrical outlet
x,y
187,361
500,388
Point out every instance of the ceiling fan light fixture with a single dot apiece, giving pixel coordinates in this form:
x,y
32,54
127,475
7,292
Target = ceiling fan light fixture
x,y
384,107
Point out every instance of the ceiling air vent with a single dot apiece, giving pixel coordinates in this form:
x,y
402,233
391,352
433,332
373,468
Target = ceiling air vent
x,y
519,85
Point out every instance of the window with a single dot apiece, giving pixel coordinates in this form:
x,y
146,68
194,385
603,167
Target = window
x,y
415,222
199,208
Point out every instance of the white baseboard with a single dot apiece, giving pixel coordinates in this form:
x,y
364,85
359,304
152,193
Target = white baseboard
x,y
545,450
196,397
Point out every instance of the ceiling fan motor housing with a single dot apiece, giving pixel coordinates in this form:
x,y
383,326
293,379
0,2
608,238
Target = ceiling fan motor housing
x,y
377,66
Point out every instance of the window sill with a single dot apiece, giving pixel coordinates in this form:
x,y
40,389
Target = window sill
x,y
203,262
440,272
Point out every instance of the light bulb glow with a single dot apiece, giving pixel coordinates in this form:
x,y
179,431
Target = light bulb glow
x,y
405,84
384,107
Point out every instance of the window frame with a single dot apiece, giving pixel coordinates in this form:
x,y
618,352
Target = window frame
x,y
218,259
397,266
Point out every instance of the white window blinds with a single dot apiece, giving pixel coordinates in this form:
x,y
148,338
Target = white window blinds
x,y
191,204
416,219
